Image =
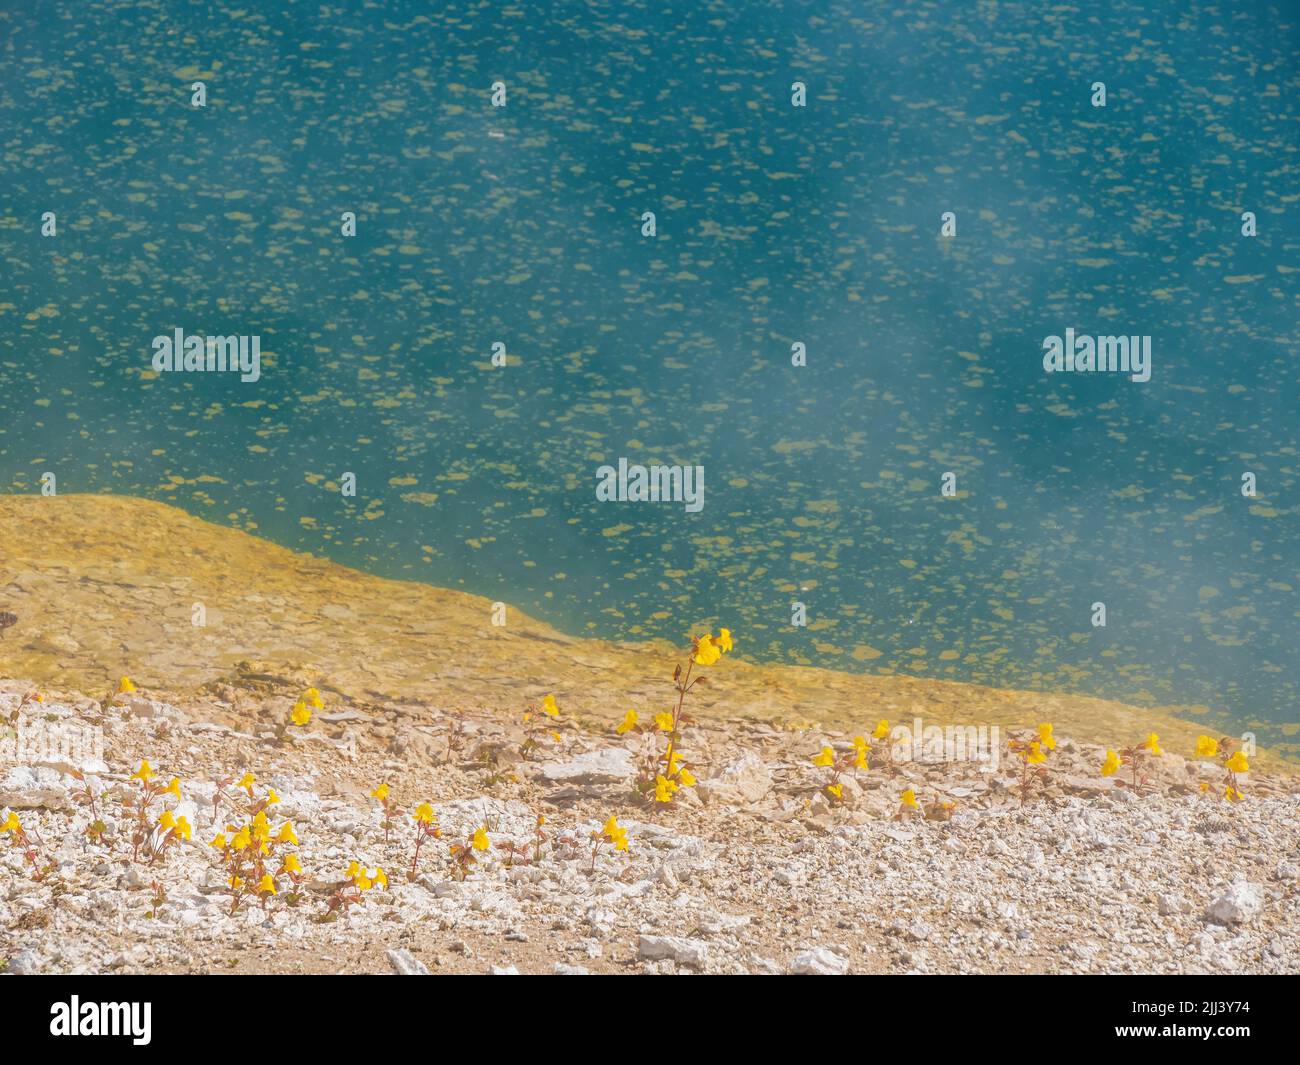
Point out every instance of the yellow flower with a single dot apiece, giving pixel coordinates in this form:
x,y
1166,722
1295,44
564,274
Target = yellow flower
x,y
554,736
174,788
291,864
363,882
860,749
246,782
686,778
909,799
836,789
300,715
664,722
266,886
145,773
706,653
381,879
1238,763
287,834
1035,755
1232,794
881,730
424,814
549,708
237,882
628,723
271,797
826,758
1111,765
183,829
615,834
125,687
12,824
219,842
1045,737
242,839
380,793
1153,744
481,841
353,871
167,821
312,697
664,789
724,639
1206,747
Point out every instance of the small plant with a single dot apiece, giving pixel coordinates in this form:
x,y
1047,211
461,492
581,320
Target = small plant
x,y
300,713
149,839
1137,758
611,834
537,725
854,759
158,898
389,808
1032,751
1233,762
18,837
250,853
662,775
465,855
84,795
358,880
426,828
907,805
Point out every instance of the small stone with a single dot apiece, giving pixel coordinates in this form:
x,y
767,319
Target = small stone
x,y
611,765
1241,902
560,969
744,780
503,970
405,964
694,952
819,961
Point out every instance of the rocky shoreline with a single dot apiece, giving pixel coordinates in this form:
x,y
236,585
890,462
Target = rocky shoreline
x,y
755,869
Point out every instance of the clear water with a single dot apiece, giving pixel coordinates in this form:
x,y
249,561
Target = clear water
x,y
775,224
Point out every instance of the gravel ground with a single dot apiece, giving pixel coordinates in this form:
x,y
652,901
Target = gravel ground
x,y
751,871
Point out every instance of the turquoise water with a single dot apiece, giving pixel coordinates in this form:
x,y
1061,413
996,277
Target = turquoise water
x,y
775,224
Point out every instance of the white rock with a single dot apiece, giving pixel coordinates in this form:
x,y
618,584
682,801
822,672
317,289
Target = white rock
x,y
610,765
684,951
405,964
1241,902
819,962
503,970
744,780
560,969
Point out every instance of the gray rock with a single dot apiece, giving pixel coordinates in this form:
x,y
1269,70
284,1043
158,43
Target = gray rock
x,y
611,765
744,780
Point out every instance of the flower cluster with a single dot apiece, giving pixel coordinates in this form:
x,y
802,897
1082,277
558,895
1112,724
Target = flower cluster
x,y
149,838
1032,751
664,774
853,759
1233,762
538,724
13,828
612,834
256,855
465,855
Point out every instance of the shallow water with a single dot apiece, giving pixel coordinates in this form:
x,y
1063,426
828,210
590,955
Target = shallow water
x,y
776,224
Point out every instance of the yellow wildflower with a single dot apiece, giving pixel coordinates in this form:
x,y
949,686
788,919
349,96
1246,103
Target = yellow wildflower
x,y
826,758
125,687
549,707
174,788
291,864
271,797
183,829
1232,794
145,773
706,653
615,834
242,839
287,834
381,879
836,789
860,755
312,698
908,799
881,730
424,814
219,842
12,824
724,639
1045,736
664,789
1238,763
1206,747
1035,755
628,723
246,782
686,778
481,841
266,886
1152,744
1111,765
380,793
167,821
664,722
300,715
